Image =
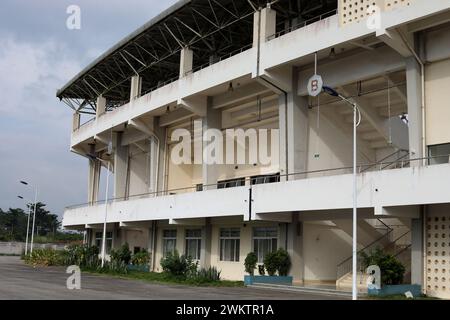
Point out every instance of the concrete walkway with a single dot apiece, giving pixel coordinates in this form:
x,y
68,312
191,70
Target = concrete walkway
x,y
23,282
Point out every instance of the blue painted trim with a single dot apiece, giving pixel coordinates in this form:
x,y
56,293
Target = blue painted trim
x,y
390,290
248,280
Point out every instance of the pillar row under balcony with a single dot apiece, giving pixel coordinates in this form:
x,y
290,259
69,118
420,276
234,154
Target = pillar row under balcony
x,y
294,126
186,61
212,120
136,87
414,92
101,106
121,159
93,177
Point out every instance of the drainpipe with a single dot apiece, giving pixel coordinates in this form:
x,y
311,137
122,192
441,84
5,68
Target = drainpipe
x,y
258,76
422,71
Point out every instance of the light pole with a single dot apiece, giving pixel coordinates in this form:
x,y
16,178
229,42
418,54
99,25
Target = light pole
x,y
93,158
28,225
356,122
34,213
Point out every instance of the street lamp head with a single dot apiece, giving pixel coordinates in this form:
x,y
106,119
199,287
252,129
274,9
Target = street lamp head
x,y
330,91
20,197
24,182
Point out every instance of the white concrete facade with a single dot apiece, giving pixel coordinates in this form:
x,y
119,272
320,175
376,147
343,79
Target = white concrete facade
x,y
396,72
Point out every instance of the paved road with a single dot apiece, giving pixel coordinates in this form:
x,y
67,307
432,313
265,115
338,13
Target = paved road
x,y
22,282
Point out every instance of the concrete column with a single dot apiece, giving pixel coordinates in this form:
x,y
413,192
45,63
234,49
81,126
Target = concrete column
x,y
75,121
186,61
101,106
161,169
414,91
264,25
417,251
121,155
93,177
205,255
136,87
213,120
294,240
293,121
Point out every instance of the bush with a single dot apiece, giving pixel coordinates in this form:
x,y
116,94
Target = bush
x,y
178,266
205,275
123,254
82,256
392,270
283,262
141,258
250,263
45,257
271,263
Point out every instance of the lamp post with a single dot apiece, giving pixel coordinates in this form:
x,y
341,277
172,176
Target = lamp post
x,y
34,212
356,122
93,158
28,225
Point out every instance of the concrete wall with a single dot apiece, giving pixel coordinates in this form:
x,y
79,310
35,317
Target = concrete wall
x,y
16,248
324,248
437,102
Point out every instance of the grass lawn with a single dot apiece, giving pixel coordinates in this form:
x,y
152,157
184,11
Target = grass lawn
x,y
163,278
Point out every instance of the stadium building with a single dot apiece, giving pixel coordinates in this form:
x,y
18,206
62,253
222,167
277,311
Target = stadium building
x,y
246,64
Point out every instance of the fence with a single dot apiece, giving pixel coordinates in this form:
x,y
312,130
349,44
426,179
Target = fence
x,y
16,248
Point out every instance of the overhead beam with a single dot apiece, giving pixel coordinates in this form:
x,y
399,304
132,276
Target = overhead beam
x,y
174,117
394,39
238,95
358,67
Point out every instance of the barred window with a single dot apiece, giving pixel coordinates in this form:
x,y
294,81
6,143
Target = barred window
x,y
193,243
264,241
169,241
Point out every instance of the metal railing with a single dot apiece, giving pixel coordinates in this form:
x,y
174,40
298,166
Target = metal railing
x,y
219,59
397,153
345,267
279,178
302,24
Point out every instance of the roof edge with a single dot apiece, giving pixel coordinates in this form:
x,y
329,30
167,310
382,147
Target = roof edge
x,y
163,15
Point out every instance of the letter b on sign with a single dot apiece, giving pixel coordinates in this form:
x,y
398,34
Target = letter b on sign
x,y
315,85
74,281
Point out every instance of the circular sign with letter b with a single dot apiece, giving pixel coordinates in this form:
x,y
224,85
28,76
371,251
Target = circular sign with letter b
x,y
315,85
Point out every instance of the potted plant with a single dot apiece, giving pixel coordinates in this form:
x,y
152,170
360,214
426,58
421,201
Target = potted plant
x,y
274,262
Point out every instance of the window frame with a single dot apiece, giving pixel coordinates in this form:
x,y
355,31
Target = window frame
x,y
197,238
266,237
99,241
169,238
235,240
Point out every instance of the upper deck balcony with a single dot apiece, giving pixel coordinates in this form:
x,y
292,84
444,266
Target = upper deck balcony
x,y
385,186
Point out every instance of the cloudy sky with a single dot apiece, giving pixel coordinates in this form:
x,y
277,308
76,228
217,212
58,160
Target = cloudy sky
x,y
38,55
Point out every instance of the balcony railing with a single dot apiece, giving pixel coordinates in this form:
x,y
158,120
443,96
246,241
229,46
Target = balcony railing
x,y
302,24
276,178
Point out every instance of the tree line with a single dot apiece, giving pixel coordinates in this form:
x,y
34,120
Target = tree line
x,y
13,225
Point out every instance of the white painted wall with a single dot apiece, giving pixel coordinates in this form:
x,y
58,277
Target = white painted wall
x,y
437,82
324,248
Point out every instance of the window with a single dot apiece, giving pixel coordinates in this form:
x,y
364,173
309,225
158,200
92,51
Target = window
x,y
229,244
169,241
439,154
264,241
99,241
193,243
199,187
231,183
265,179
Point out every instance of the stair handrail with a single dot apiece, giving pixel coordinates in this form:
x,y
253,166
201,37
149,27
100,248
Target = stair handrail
x,y
349,259
380,162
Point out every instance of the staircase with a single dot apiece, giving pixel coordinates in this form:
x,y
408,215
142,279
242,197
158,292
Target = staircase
x,y
398,247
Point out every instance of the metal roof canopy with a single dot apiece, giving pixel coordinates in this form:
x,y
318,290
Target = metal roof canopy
x,y
211,28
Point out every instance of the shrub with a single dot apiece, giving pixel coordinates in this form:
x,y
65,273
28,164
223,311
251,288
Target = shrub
x,y
250,263
141,258
178,266
392,270
271,263
122,254
261,270
45,257
205,275
82,256
283,262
